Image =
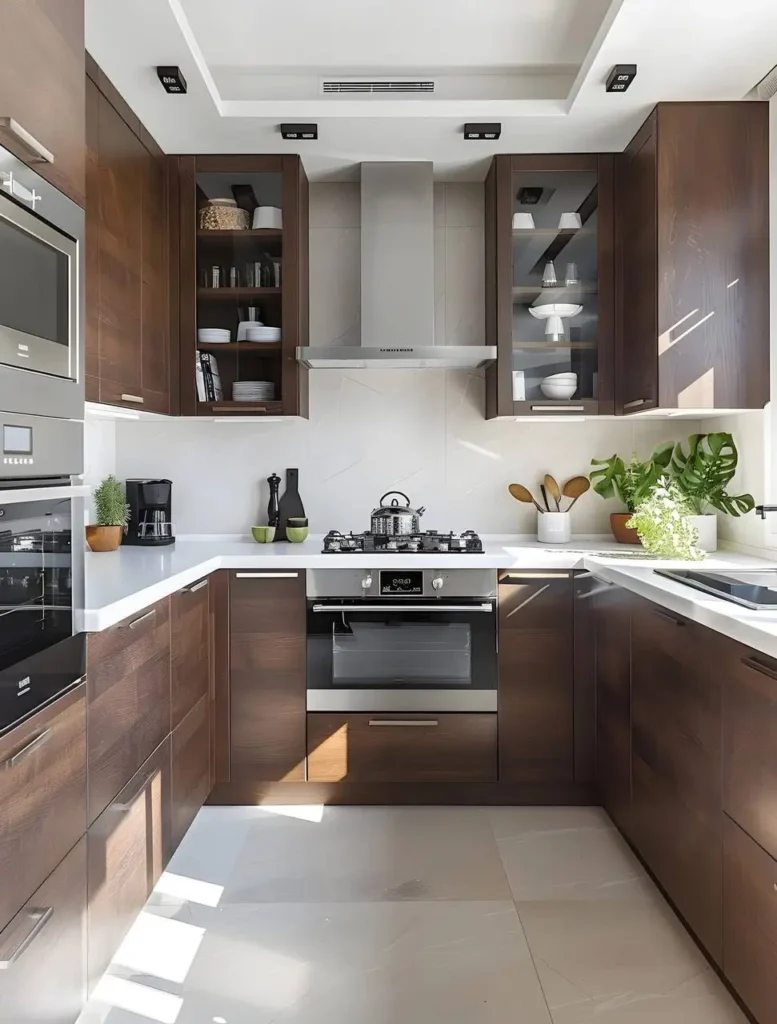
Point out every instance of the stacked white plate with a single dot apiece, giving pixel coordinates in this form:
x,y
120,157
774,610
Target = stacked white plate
x,y
253,391
263,334
214,335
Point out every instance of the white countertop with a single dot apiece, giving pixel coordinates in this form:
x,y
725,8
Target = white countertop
x,y
122,583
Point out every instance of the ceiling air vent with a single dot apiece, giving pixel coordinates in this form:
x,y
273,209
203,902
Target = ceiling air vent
x,y
349,86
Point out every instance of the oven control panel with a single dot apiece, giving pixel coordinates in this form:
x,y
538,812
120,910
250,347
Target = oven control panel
x,y
405,582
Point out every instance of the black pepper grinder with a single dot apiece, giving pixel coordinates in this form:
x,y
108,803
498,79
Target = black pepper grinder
x,y
272,506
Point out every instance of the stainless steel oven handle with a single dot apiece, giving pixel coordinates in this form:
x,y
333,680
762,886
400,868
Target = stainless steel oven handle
x,y
403,608
404,722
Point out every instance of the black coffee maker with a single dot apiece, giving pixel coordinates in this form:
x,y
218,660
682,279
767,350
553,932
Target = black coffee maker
x,y
150,503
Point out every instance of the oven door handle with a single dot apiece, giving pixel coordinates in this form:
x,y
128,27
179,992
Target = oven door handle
x,y
488,607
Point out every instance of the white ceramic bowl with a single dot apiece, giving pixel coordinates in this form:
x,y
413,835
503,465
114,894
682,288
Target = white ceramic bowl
x,y
561,378
555,309
559,391
268,217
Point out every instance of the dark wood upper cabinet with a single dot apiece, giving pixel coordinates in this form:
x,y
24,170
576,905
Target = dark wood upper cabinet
x,y
692,259
230,276
536,677
550,216
267,620
42,87
128,356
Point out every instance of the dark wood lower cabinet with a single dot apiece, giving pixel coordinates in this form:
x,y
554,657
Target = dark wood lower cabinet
x,y
190,648
128,847
191,768
43,949
402,748
536,677
750,922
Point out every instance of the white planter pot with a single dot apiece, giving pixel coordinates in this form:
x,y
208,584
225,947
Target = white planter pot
x,y
554,527
708,531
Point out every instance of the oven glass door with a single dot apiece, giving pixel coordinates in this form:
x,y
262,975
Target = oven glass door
x,y
403,656
38,293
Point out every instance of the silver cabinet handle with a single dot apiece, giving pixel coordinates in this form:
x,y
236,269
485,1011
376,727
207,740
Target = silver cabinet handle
x,y
266,575
403,608
668,616
19,938
759,666
197,586
27,749
39,153
635,403
142,618
403,722
517,577
558,408
132,398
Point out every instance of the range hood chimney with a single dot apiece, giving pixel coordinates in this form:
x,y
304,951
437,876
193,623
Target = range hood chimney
x,y
397,280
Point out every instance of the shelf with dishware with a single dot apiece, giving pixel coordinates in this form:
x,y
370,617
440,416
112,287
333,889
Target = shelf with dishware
x,y
243,284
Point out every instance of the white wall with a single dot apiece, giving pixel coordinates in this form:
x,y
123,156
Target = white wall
x,y
422,431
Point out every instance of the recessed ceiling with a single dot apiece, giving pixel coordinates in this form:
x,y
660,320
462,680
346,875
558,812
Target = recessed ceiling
x,y
538,66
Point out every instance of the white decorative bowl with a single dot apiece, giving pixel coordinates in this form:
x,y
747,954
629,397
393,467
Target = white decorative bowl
x,y
558,391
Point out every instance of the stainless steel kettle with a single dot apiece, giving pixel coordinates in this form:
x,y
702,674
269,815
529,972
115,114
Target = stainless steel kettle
x,y
394,520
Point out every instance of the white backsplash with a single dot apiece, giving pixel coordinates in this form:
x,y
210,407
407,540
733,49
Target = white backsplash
x,y
370,431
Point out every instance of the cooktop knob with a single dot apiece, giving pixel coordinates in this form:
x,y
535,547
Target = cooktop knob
x,y
366,582
437,582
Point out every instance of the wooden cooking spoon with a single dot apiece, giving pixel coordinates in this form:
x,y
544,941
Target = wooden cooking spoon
x,y
575,488
521,493
553,491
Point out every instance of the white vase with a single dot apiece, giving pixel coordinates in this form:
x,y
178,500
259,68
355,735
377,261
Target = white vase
x,y
708,531
554,527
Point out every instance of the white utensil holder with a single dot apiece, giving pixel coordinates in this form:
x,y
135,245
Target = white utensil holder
x,y
554,527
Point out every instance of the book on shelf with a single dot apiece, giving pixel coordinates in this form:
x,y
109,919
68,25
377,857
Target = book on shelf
x,y
209,387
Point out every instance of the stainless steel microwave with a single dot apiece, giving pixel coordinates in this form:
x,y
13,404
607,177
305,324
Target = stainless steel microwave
x,y
42,241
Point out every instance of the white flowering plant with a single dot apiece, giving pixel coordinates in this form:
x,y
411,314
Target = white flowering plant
x,y
661,520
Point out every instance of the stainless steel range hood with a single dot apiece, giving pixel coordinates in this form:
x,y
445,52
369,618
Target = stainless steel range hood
x,y
397,280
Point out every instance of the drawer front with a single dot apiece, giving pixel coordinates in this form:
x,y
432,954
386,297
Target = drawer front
x,y
191,768
750,922
128,710
750,743
127,850
43,950
42,796
402,748
190,645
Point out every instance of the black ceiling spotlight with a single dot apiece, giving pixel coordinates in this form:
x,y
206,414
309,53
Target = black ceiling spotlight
x,y
172,78
482,131
621,77
299,131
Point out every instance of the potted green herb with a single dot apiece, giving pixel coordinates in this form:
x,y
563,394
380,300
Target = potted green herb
x,y
664,523
703,474
112,514
630,483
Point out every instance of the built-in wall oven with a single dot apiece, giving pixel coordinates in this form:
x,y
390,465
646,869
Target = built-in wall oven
x,y
401,640
41,295
42,652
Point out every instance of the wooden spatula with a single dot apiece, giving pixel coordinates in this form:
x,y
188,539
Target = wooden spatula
x,y
574,488
521,493
553,491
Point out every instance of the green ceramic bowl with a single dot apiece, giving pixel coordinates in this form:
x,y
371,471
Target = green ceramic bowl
x,y
263,534
296,534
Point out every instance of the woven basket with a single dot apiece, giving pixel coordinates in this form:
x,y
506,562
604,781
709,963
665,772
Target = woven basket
x,y
223,215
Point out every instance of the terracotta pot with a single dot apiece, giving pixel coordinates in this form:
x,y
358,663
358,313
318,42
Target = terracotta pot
x,y
620,531
104,538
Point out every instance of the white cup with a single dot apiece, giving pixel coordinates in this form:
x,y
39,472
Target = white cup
x,y
570,221
523,220
554,527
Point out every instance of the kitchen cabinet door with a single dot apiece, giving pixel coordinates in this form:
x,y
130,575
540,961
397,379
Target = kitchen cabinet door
x,y
676,765
613,702
42,87
154,273
191,771
190,648
44,949
127,849
536,677
268,683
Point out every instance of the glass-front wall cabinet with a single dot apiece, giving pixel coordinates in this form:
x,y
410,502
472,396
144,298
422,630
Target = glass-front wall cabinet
x,y
243,309
552,285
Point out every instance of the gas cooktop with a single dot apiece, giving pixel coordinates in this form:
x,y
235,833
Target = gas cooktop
x,y
427,542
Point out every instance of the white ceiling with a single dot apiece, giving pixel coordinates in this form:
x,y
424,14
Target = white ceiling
x,y
538,66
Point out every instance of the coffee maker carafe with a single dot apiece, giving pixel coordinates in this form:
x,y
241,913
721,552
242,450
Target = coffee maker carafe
x,y
150,503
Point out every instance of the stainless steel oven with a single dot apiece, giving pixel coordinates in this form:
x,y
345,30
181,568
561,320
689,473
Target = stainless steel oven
x,y
41,295
42,652
401,640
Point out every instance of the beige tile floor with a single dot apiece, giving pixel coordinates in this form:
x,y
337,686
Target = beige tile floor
x,y
407,915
